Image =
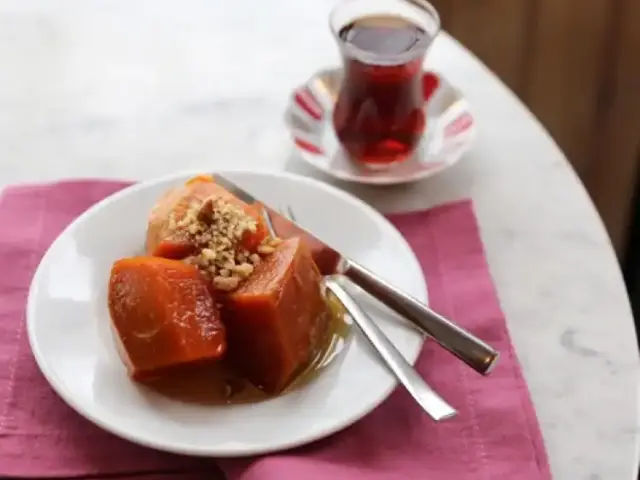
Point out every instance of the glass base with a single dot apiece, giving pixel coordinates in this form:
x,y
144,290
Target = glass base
x,y
377,166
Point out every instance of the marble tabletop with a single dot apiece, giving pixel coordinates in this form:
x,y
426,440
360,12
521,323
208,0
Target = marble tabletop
x,y
139,88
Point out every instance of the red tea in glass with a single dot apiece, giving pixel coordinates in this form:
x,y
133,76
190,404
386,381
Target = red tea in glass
x,y
379,115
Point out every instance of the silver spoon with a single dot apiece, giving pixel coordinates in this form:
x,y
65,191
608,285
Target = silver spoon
x,y
429,400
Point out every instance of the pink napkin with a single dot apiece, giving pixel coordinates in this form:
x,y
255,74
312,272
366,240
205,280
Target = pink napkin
x,y
495,436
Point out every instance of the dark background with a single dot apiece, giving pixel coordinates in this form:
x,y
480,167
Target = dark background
x,y
631,258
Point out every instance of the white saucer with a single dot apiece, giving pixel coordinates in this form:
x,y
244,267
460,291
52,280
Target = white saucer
x,y
68,326
450,132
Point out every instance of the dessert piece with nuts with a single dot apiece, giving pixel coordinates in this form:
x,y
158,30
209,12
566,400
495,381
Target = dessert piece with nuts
x,y
211,229
172,207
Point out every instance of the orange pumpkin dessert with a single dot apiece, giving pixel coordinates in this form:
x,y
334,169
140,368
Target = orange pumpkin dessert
x,y
276,319
164,314
217,290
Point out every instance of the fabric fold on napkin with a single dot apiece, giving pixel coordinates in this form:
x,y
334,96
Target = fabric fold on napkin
x,y
495,435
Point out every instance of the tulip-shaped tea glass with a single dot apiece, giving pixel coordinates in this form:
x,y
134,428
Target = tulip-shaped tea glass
x,y
379,116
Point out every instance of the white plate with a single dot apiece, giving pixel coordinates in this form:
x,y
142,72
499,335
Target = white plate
x,y
67,323
450,132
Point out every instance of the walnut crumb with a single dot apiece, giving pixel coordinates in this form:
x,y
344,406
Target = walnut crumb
x,y
209,254
206,211
226,284
265,249
275,242
243,270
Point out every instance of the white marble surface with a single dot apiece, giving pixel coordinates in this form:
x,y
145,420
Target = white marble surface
x,y
134,89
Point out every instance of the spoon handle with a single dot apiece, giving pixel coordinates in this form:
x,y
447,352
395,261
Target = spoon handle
x,y
429,400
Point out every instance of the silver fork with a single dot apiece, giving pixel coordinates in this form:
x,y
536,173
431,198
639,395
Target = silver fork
x,y
436,407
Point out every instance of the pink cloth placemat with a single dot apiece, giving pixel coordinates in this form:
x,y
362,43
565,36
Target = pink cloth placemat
x,y
495,436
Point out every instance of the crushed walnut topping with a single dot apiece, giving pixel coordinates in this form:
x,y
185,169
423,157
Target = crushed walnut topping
x,y
217,227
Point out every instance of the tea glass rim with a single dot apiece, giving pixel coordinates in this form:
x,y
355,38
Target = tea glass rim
x,y
421,8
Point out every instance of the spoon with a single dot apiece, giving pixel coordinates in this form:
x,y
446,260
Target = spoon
x,y
429,400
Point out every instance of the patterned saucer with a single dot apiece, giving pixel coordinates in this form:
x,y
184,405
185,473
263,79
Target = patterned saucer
x,y
450,131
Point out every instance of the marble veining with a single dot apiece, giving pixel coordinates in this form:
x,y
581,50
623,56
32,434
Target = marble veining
x,y
568,341
139,88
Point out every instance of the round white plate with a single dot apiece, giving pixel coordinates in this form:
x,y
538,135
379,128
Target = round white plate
x,y
450,132
68,326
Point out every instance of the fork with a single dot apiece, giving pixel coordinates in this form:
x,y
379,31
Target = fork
x,y
436,407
